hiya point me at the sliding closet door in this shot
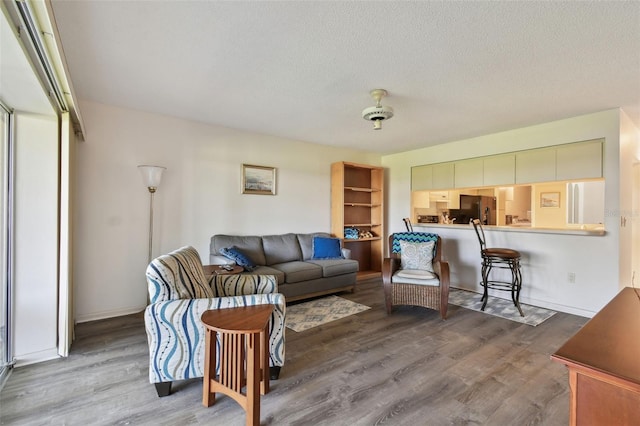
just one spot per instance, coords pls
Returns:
(65, 286)
(5, 235)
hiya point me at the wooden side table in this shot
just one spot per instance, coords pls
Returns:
(244, 335)
(218, 270)
(602, 358)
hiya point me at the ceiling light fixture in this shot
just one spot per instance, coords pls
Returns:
(379, 112)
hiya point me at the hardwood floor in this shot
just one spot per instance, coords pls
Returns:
(409, 368)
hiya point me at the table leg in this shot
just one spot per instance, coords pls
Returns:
(208, 397)
(253, 379)
(264, 360)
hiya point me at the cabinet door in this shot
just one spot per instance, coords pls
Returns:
(469, 173)
(420, 199)
(421, 178)
(454, 199)
(443, 176)
(536, 165)
(500, 170)
(579, 161)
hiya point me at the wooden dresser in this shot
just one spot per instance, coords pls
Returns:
(604, 365)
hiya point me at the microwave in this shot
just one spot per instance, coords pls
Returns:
(427, 219)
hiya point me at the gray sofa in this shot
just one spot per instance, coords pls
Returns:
(290, 258)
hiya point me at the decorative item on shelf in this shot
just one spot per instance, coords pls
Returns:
(362, 233)
(351, 233)
(151, 176)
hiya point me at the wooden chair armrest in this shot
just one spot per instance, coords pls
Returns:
(441, 269)
(389, 266)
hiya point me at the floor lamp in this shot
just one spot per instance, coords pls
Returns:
(151, 176)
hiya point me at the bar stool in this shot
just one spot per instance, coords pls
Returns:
(501, 258)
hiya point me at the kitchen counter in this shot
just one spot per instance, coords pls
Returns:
(524, 227)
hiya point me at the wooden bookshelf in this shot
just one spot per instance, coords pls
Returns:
(357, 201)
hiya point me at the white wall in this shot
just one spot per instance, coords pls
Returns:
(36, 238)
(199, 196)
(600, 267)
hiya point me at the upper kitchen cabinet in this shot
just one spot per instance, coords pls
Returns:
(421, 178)
(432, 176)
(499, 170)
(573, 161)
(536, 165)
(443, 176)
(469, 173)
(579, 161)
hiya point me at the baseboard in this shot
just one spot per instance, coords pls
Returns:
(108, 314)
(36, 357)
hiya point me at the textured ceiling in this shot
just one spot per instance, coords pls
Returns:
(303, 70)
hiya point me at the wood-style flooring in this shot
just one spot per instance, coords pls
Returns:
(408, 368)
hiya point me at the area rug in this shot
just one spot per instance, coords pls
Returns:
(306, 315)
(503, 308)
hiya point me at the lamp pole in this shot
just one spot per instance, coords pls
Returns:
(152, 191)
(151, 175)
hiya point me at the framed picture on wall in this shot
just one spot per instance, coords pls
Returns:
(259, 180)
(550, 199)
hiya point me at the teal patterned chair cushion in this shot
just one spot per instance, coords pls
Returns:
(414, 237)
(416, 251)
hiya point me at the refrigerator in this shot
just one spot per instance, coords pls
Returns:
(475, 207)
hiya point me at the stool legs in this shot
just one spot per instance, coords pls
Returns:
(513, 264)
(516, 277)
(486, 267)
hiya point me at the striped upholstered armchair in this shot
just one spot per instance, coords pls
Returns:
(179, 294)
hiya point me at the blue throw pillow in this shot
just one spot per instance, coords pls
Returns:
(326, 248)
(239, 257)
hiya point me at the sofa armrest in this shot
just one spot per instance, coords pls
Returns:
(242, 284)
(176, 335)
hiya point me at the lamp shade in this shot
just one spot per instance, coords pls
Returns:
(151, 175)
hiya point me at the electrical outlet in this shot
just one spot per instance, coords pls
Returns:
(572, 277)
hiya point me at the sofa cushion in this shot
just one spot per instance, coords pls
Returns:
(250, 245)
(299, 271)
(326, 248)
(306, 243)
(334, 267)
(268, 270)
(281, 248)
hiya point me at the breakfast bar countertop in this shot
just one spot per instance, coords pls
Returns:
(518, 228)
